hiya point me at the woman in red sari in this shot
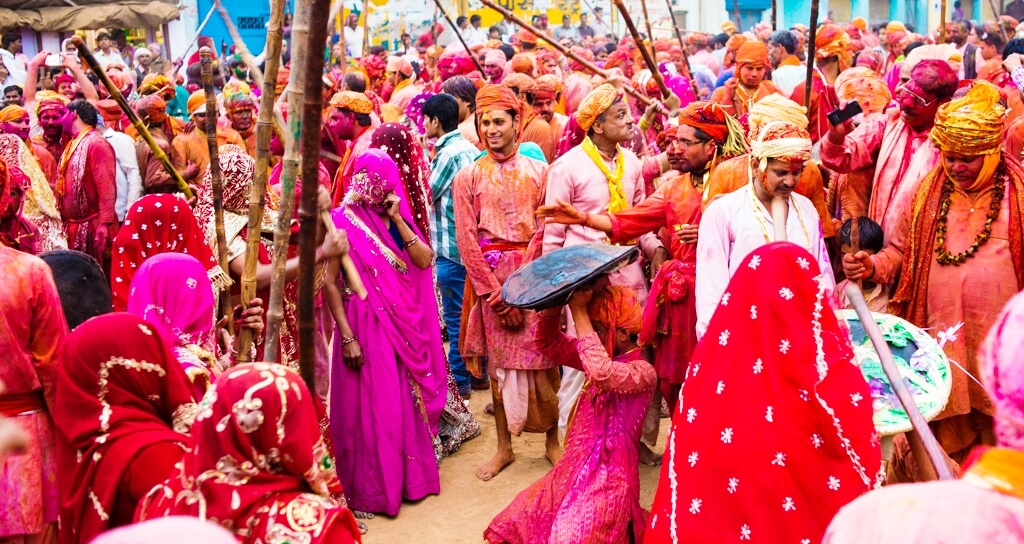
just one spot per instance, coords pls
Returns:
(773, 432)
(123, 404)
(258, 466)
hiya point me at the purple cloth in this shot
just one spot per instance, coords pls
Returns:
(677, 84)
(172, 292)
(414, 111)
(385, 414)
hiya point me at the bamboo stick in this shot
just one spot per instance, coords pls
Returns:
(999, 21)
(366, 26)
(216, 184)
(115, 93)
(257, 197)
(312, 69)
(647, 23)
(935, 453)
(289, 171)
(589, 66)
(736, 13)
(648, 59)
(682, 47)
(775, 15)
(810, 57)
(780, 207)
(942, 21)
(458, 35)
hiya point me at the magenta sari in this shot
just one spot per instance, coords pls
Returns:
(385, 414)
(172, 292)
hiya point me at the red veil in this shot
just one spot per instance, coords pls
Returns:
(773, 432)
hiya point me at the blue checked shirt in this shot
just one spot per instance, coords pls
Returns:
(453, 153)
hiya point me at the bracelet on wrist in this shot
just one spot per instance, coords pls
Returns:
(348, 340)
(412, 241)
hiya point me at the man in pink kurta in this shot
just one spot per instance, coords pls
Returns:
(588, 177)
(897, 144)
(31, 328)
(494, 201)
(87, 190)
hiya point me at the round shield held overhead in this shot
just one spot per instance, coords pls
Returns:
(549, 280)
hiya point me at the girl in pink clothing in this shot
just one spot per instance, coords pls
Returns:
(593, 493)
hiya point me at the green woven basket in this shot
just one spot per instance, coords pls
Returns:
(922, 364)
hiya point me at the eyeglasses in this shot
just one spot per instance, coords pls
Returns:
(683, 144)
(903, 91)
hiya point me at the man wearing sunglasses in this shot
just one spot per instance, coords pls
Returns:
(896, 143)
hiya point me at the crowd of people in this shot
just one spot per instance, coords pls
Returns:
(443, 171)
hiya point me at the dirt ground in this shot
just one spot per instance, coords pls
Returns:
(466, 505)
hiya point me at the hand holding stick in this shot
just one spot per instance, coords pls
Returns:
(115, 93)
(931, 446)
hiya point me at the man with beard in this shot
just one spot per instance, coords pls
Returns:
(534, 129)
(86, 185)
(749, 85)
(705, 137)
(545, 98)
(349, 123)
(242, 113)
(50, 109)
(14, 120)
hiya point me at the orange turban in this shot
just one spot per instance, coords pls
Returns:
(196, 102)
(753, 53)
(525, 36)
(832, 41)
(594, 104)
(548, 87)
(735, 41)
(522, 82)
(156, 84)
(109, 110)
(860, 23)
(49, 100)
(712, 120)
(352, 101)
(865, 86)
(152, 109)
(13, 112)
(496, 97)
(615, 307)
(522, 64)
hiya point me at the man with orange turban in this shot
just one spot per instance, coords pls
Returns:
(190, 153)
(494, 201)
(241, 112)
(50, 110)
(547, 99)
(596, 177)
(963, 258)
(706, 136)
(152, 111)
(15, 120)
(534, 126)
(351, 128)
(749, 85)
(832, 55)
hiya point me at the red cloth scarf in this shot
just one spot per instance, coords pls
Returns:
(258, 465)
(773, 432)
(156, 224)
(398, 142)
(119, 391)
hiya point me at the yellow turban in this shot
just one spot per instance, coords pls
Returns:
(776, 107)
(353, 101)
(895, 26)
(196, 102)
(46, 100)
(596, 103)
(155, 83)
(235, 87)
(13, 112)
(783, 141)
(860, 23)
(973, 124)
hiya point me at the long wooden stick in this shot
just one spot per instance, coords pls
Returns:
(216, 183)
(736, 13)
(458, 35)
(810, 57)
(995, 13)
(257, 197)
(647, 22)
(648, 59)
(313, 69)
(289, 171)
(589, 66)
(366, 27)
(115, 93)
(942, 21)
(775, 15)
(935, 453)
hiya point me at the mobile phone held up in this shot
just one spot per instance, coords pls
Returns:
(842, 115)
(54, 61)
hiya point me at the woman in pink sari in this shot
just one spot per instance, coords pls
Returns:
(388, 381)
(413, 168)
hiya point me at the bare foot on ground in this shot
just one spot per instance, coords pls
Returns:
(552, 451)
(500, 460)
(648, 457)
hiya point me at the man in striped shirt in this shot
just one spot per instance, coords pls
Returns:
(453, 153)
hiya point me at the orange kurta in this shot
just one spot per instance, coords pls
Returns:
(737, 106)
(732, 175)
(193, 148)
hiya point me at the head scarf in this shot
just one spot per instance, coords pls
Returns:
(778, 419)
(946, 52)
(6, 179)
(872, 59)
(156, 224)
(549, 86)
(156, 84)
(493, 97)
(61, 79)
(866, 87)
(238, 101)
(775, 107)
(1002, 372)
(352, 101)
(39, 205)
(596, 103)
(752, 53)
(13, 112)
(973, 124)
(781, 141)
(120, 391)
(257, 453)
(712, 120)
(196, 102)
(111, 113)
(644, 82)
(49, 100)
(399, 65)
(525, 36)
(615, 307)
(413, 168)
(522, 64)
(414, 111)
(152, 110)
(237, 170)
(522, 83)
(698, 39)
(833, 41)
